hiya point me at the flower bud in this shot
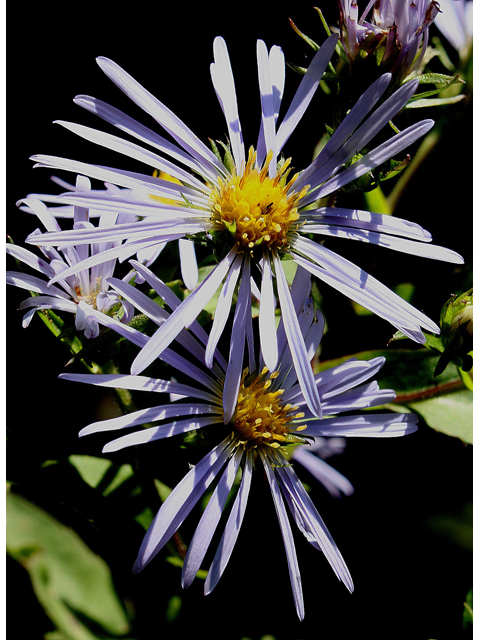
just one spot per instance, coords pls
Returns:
(456, 323)
(394, 36)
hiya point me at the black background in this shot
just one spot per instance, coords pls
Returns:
(411, 576)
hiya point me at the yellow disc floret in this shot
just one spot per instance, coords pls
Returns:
(256, 209)
(261, 418)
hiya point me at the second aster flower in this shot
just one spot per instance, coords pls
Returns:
(255, 423)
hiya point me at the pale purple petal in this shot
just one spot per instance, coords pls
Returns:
(181, 501)
(293, 568)
(209, 521)
(32, 283)
(375, 425)
(165, 118)
(128, 125)
(332, 480)
(232, 528)
(223, 309)
(361, 287)
(359, 398)
(139, 383)
(267, 104)
(237, 344)
(390, 242)
(295, 341)
(267, 324)
(308, 519)
(128, 179)
(301, 288)
(30, 259)
(132, 150)
(188, 263)
(326, 161)
(158, 433)
(372, 159)
(366, 220)
(305, 91)
(151, 414)
(174, 302)
(183, 316)
(224, 84)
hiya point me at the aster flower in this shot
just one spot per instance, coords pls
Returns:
(77, 292)
(396, 33)
(247, 207)
(266, 415)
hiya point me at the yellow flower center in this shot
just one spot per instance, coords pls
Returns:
(257, 209)
(261, 419)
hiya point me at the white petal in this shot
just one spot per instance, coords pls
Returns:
(223, 309)
(209, 521)
(188, 263)
(375, 425)
(158, 433)
(267, 102)
(293, 569)
(403, 245)
(267, 325)
(138, 383)
(183, 316)
(232, 528)
(295, 341)
(168, 120)
(224, 84)
(128, 125)
(181, 501)
(305, 91)
(237, 345)
(151, 414)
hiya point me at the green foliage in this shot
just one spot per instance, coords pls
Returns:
(451, 413)
(440, 399)
(72, 583)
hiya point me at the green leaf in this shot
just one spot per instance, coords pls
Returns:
(443, 85)
(309, 41)
(72, 583)
(408, 371)
(451, 414)
(376, 201)
(101, 473)
(437, 79)
(433, 102)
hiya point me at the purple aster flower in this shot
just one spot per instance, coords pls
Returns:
(248, 207)
(258, 414)
(396, 29)
(82, 289)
